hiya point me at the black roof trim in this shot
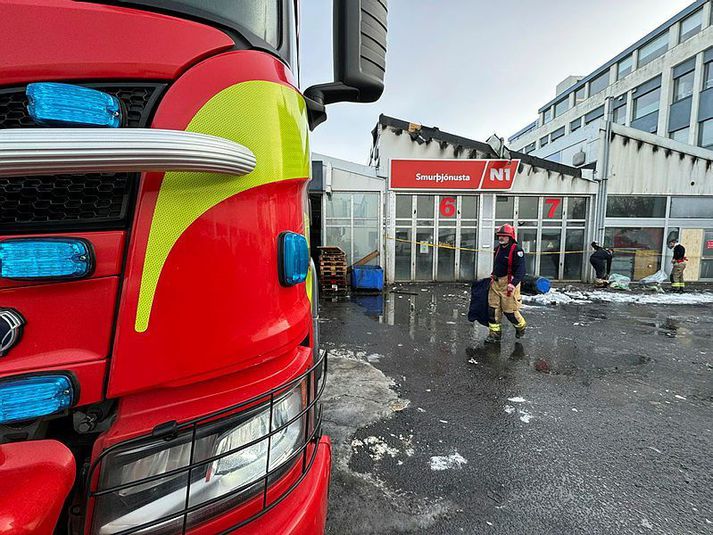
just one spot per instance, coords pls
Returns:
(435, 134)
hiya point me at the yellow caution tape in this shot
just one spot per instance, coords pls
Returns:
(650, 252)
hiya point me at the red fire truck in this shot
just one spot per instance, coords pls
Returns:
(159, 361)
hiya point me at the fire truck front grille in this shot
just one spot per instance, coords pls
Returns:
(72, 202)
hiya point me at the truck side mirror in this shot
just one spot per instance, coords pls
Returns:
(359, 57)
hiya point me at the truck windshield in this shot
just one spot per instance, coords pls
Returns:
(262, 18)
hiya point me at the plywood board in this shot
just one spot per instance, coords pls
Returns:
(692, 240)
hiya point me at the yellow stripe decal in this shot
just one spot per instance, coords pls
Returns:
(269, 119)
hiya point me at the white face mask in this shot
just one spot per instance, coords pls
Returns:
(503, 240)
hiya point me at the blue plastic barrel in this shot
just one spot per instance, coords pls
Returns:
(535, 285)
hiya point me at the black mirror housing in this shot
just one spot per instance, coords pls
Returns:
(360, 29)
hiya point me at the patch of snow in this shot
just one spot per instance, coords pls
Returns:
(376, 447)
(574, 410)
(646, 524)
(509, 409)
(679, 397)
(518, 400)
(581, 297)
(472, 361)
(419, 409)
(525, 416)
(363, 356)
(443, 421)
(447, 462)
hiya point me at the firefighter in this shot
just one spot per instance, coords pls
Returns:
(504, 294)
(679, 266)
(601, 260)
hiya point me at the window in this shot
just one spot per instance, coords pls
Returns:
(705, 136)
(404, 207)
(653, 49)
(683, 86)
(580, 95)
(680, 135)
(577, 208)
(620, 115)
(556, 134)
(691, 25)
(707, 260)
(647, 104)
(637, 251)
(693, 207)
(561, 107)
(599, 84)
(547, 116)
(708, 76)
(575, 125)
(620, 107)
(633, 206)
(528, 208)
(544, 141)
(624, 67)
(261, 17)
(556, 157)
(530, 148)
(352, 222)
(594, 115)
(504, 207)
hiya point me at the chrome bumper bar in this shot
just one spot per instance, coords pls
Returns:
(54, 151)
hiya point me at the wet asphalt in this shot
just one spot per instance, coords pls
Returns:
(600, 420)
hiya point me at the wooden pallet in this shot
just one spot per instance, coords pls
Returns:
(333, 271)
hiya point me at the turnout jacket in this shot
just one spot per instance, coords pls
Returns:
(500, 263)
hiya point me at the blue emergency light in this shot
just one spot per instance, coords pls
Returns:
(293, 258)
(55, 104)
(27, 398)
(45, 258)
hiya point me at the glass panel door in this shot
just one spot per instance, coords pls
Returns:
(550, 261)
(403, 248)
(468, 237)
(574, 245)
(424, 254)
(447, 214)
(446, 254)
(528, 242)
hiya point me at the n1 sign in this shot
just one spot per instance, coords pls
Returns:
(453, 174)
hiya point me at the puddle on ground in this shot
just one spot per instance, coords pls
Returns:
(500, 359)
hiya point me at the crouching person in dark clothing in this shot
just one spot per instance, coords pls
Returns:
(601, 260)
(504, 294)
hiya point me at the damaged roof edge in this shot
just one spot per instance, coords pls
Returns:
(435, 134)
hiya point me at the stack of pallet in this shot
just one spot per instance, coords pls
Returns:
(333, 272)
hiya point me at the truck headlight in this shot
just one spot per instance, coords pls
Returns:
(223, 472)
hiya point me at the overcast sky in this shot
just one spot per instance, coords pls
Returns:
(473, 67)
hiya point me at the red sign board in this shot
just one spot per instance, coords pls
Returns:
(709, 244)
(453, 174)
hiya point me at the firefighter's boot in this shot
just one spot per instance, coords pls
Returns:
(495, 334)
(520, 329)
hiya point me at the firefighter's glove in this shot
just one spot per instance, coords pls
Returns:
(511, 289)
